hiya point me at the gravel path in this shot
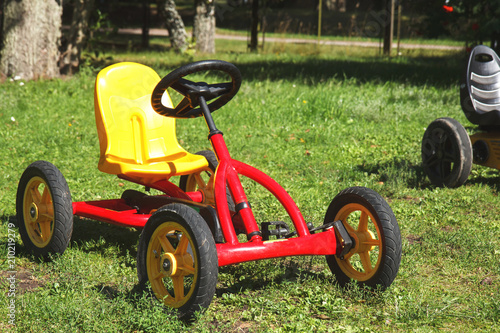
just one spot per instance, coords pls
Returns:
(163, 32)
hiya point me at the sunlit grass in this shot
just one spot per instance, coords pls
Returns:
(317, 122)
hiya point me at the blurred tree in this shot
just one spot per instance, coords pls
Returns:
(254, 25)
(475, 21)
(204, 26)
(479, 19)
(389, 26)
(77, 36)
(146, 22)
(1, 24)
(174, 24)
(31, 37)
(336, 5)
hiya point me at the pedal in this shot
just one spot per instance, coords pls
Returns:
(275, 228)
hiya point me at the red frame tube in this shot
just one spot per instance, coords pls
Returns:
(111, 211)
(324, 243)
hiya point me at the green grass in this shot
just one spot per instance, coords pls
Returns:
(317, 121)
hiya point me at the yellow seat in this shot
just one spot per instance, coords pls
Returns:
(134, 140)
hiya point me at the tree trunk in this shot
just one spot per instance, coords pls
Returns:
(77, 37)
(174, 24)
(1, 25)
(254, 26)
(146, 22)
(31, 37)
(204, 26)
(389, 27)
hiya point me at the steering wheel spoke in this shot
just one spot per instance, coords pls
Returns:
(216, 95)
(184, 106)
(219, 89)
(183, 86)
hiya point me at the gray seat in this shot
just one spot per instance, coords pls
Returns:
(480, 89)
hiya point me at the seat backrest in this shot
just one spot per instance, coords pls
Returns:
(130, 131)
(480, 89)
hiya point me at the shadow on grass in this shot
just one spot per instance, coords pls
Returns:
(92, 236)
(492, 182)
(398, 172)
(401, 172)
(286, 271)
(95, 236)
(419, 71)
(434, 71)
(289, 271)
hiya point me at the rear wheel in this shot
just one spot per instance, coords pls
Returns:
(376, 253)
(44, 210)
(177, 259)
(446, 153)
(199, 180)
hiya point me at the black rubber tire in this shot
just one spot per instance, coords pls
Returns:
(43, 201)
(201, 247)
(383, 231)
(446, 153)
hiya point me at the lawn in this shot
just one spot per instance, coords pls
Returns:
(316, 119)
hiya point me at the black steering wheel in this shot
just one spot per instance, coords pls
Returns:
(192, 91)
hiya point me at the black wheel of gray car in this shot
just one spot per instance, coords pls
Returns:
(446, 153)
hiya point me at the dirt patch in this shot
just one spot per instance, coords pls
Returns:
(414, 239)
(242, 326)
(487, 281)
(412, 199)
(448, 228)
(24, 280)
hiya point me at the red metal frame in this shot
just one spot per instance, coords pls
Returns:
(232, 251)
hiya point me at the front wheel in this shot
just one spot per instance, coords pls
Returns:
(177, 259)
(374, 259)
(44, 210)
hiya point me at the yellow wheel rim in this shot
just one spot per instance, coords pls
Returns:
(171, 264)
(202, 181)
(363, 260)
(38, 210)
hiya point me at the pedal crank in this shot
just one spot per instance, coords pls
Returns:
(276, 228)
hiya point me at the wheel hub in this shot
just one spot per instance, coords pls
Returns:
(33, 212)
(439, 154)
(364, 238)
(166, 265)
(169, 264)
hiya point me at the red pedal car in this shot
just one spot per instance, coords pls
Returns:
(192, 228)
